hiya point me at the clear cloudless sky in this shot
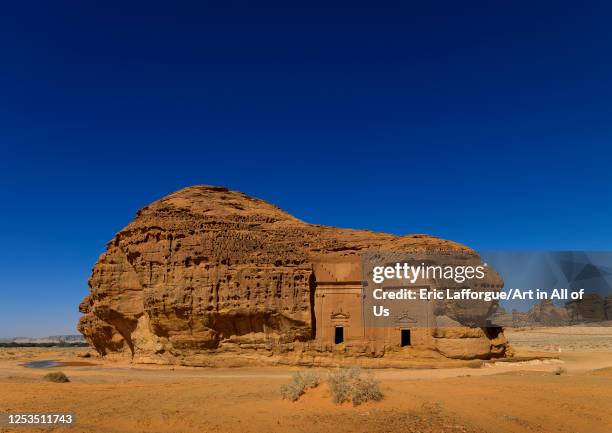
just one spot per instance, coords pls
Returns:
(488, 123)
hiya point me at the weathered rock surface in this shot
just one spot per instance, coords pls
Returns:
(206, 270)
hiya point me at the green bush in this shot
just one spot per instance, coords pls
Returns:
(56, 376)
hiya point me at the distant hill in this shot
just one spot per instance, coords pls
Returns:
(52, 340)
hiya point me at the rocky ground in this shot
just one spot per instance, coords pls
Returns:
(524, 396)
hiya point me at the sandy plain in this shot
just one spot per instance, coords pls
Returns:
(524, 396)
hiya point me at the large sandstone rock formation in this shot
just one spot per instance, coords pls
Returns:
(207, 270)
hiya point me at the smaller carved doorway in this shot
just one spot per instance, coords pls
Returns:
(405, 337)
(339, 335)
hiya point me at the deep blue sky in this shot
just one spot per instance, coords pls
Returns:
(486, 123)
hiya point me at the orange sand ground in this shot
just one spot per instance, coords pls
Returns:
(497, 397)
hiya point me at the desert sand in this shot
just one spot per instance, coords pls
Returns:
(524, 396)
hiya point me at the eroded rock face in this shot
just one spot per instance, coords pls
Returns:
(206, 270)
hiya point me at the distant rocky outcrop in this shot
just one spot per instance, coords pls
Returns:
(592, 308)
(514, 319)
(77, 338)
(547, 314)
(50, 340)
(207, 270)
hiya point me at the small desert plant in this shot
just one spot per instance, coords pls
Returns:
(300, 382)
(292, 391)
(56, 376)
(311, 379)
(339, 385)
(352, 385)
(366, 389)
(559, 371)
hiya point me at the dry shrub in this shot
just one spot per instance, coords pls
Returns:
(559, 371)
(352, 385)
(57, 377)
(339, 385)
(300, 382)
(311, 379)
